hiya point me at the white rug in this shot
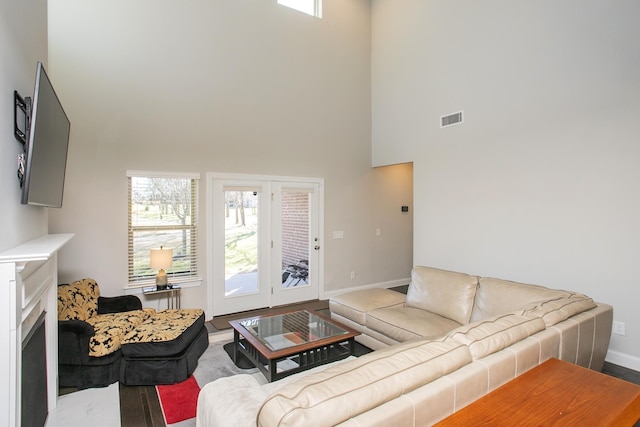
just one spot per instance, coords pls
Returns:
(95, 407)
(100, 407)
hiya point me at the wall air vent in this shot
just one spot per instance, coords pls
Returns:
(451, 119)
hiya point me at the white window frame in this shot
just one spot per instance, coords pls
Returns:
(310, 7)
(191, 279)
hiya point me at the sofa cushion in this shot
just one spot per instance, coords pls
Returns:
(166, 333)
(78, 300)
(446, 293)
(356, 304)
(405, 323)
(343, 391)
(491, 335)
(556, 310)
(111, 328)
(497, 296)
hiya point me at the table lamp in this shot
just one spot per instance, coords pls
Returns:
(161, 259)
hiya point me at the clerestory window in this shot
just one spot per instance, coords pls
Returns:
(310, 7)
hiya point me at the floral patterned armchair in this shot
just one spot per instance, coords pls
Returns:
(90, 333)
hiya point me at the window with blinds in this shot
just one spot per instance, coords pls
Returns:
(162, 212)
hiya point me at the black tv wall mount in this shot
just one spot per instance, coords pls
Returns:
(22, 105)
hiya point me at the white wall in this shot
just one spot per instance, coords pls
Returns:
(23, 42)
(540, 184)
(240, 86)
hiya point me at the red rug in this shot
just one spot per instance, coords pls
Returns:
(179, 400)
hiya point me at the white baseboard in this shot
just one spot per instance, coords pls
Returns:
(623, 359)
(389, 284)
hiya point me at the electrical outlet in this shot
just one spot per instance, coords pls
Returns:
(619, 328)
(353, 274)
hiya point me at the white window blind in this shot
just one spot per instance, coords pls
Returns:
(162, 212)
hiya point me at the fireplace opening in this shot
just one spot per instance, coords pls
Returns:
(34, 406)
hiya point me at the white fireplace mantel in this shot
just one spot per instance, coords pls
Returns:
(28, 287)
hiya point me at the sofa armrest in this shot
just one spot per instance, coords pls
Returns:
(230, 401)
(73, 341)
(118, 304)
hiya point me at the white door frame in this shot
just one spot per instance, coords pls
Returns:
(215, 259)
(280, 294)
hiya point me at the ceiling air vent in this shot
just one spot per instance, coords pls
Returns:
(451, 119)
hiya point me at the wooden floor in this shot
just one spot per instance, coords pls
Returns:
(140, 407)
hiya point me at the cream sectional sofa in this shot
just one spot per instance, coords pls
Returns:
(451, 340)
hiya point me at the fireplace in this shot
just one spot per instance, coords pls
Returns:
(28, 323)
(34, 376)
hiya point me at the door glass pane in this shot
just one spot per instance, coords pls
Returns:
(241, 243)
(295, 238)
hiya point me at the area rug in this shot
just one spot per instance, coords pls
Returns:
(179, 401)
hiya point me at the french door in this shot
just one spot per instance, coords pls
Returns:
(264, 241)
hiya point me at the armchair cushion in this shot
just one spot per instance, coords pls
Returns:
(111, 328)
(78, 300)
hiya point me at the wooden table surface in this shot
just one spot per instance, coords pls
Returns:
(555, 393)
(287, 351)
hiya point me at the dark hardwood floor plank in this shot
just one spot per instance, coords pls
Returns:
(621, 373)
(154, 408)
(139, 407)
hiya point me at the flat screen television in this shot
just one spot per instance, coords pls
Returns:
(46, 147)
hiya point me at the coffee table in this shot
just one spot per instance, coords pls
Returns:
(555, 393)
(284, 344)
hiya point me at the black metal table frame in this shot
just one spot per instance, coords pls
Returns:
(307, 358)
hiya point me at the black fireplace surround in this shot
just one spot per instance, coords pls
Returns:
(34, 376)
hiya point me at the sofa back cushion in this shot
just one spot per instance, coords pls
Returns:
(343, 391)
(491, 335)
(497, 296)
(78, 300)
(558, 309)
(446, 293)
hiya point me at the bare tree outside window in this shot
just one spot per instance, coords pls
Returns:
(162, 212)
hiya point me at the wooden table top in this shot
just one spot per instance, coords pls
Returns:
(555, 393)
(275, 354)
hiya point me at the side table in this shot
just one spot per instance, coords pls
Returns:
(554, 393)
(172, 293)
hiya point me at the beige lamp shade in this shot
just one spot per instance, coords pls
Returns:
(161, 259)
